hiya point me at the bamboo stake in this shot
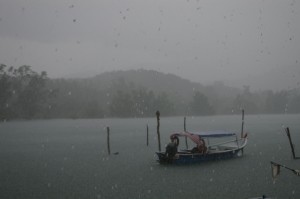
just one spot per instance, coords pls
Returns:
(108, 145)
(147, 135)
(184, 128)
(158, 133)
(242, 130)
(287, 130)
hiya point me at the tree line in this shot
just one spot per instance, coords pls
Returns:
(26, 94)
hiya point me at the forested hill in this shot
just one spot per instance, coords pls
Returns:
(133, 93)
(143, 90)
(150, 80)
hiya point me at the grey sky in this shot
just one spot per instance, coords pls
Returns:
(234, 41)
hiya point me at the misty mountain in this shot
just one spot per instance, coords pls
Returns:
(136, 87)
(132, 93)
(180, 92)
(151, 80)
(276, 79)
(173, 85)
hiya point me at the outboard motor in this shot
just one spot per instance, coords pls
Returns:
(171, 150)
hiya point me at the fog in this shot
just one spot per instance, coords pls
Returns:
(238, 42)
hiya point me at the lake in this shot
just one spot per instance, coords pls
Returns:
(68, 159)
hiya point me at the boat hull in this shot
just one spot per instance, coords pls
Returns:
(191, 158)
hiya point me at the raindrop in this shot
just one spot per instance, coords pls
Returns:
(279, 147)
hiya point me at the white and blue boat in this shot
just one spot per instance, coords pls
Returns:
(213, 145)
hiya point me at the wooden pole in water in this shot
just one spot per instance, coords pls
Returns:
(158, 133)
(147, 135)
(108, 145)
(184, 124)
(184, 128)
(287, 130)
(242, 130)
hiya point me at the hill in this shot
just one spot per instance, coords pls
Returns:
(133, 93)
(180, 92)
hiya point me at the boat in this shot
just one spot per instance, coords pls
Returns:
(212, 145)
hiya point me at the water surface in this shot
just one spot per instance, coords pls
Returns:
(68, 159)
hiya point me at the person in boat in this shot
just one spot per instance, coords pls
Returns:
(171, 148)
(200, 148)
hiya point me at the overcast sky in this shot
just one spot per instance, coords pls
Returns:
(201, 40)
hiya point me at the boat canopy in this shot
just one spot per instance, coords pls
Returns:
(214, 134)
(197, 136)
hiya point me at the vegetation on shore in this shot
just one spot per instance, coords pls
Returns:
(26, 94)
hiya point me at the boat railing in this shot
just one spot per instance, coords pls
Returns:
(226, 142)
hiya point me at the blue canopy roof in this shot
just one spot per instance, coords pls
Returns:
(197, 136)
(214, 134)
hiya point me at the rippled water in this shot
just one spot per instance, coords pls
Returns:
(68, 159)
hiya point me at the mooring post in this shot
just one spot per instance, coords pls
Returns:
(158, 133)
(184, 128)
(287, 130)
(242, 130)
(108, 145)
(147, 135)
(184, 124)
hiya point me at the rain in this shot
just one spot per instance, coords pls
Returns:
(81, 83)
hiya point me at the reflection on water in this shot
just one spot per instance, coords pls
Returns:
(68, 159)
